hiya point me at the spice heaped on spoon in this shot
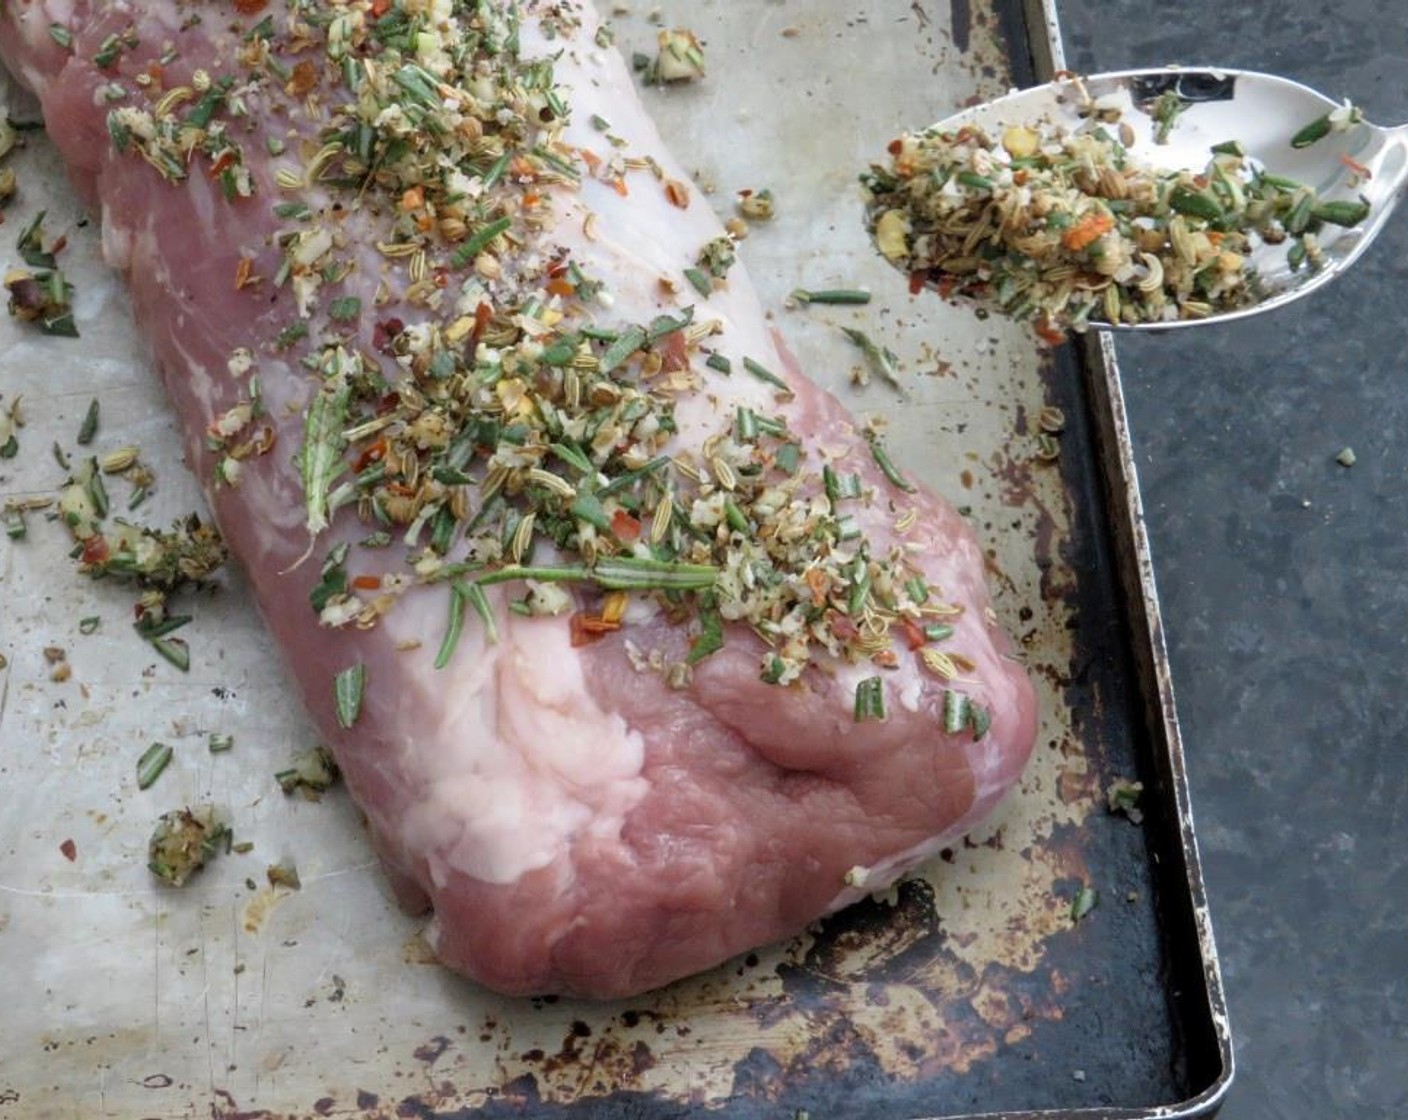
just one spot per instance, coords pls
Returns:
(1140, 200)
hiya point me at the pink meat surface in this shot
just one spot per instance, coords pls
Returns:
(580, 818)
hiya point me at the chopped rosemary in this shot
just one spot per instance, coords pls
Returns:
(479, 242)
(219, 742)
(348, 688)
(154, 760)
(454, 627)
(174, 650)
(839, 296)
(762, 373)
(887, 467)
(1086, 900)
(710, 638)
(89, 428)
(870, 699)
(700, 282)
(882, 360)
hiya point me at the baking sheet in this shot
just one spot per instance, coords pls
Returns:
(967, 990)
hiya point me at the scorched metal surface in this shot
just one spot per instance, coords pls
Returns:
(969, 989)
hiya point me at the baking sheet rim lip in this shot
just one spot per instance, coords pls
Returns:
(1101, 360)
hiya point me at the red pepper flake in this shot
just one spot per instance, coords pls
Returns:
(674, 352)
(587, 628)
(1355, 166)
(1087, 231)
(886, 659)
(250, 7)
(842, 626)
(59, 245)
(96, 551)
(560, 287)
(619, 184)
(913, 634)
(221, 162)
(380, 7)
(385, 332)
(1049, 333)
(591, 159)
(819, 583)
(677, 193)
(483, 314)
(69, 850)
(895, 147)
(625, 527)
(367, 583)
(916, 282)
(305, 77)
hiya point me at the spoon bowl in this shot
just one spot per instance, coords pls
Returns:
(1353, 161)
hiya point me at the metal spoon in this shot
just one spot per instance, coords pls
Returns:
(1263, 112)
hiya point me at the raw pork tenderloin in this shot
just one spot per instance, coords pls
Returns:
(417, 275)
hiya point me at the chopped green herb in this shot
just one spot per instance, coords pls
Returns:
(870, 699)
(887, 467)
(453, 628)
(1086, 900)
(956, 712)
(762, 373)
(153, 761)
(345, 310)
(840, 296)
(479, 242)
(348, 688)
(710, 638)
(622, 349)
(219, 742)
(1317, 129)
(174, 650)
(89, 427)
(701, 283)
(882, 360)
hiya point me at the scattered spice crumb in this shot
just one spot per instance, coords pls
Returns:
(283, 874)
(757, 205)
(1347, 457)
(1123, 797)
(310, 773)
(69, 850)
(183, 842)
(1086, 900)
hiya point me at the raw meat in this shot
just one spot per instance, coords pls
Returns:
(585, 810)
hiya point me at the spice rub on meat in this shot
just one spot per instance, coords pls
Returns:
(634, 651)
